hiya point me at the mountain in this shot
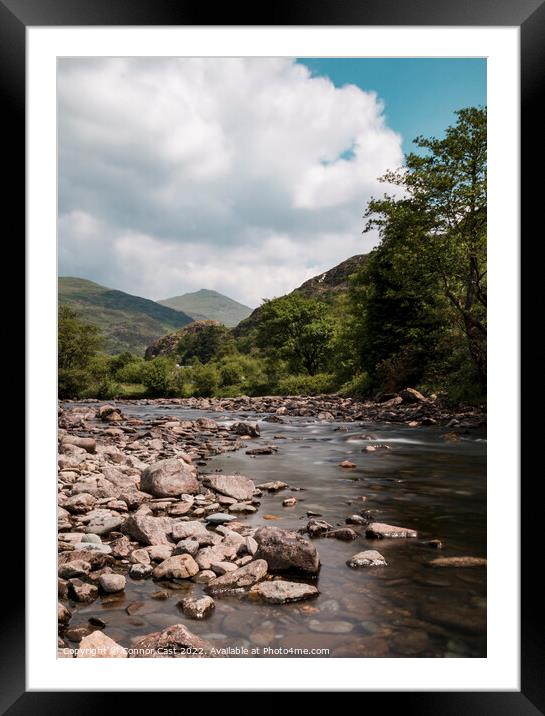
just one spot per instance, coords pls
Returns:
(128, 323)
(326, 286)
(209, 305)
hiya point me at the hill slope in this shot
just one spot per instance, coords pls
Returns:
(210, 305)
(128, 323)
(324, 286)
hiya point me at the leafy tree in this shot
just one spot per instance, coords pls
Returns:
(157, 375)
(298, 329)
(206, 380)
(440, 223)
(204, 342)
(78, 343)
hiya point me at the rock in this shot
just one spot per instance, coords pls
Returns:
(242, 508)
(95, 559)
(194, 530)
(63, 614)
(289, 501)
(219, 518)
(347, 464)
(206, 424)
(121, 547)
(179, 509)
(82, 592)
(237, 486)
(204, 577)
(368, 558)
(94, 547)
(99, 646)
(330, 627)
(174, 641)
(77, 568)
(140, 571)
(281, 592)
(212, 555)
(160, 552)
(186, 546)
(344, 533)
(169, 478)
(220, 568)
(180, 566)
(238, 580)
(379, 530)
(274, 486)
(140, 556)
(111, 583)
(317, 528)
(265, 450)
(148, 530)
(286, 551)
(251, 545)
(80, 503)
(91, 538)
(197, 608)
(103, 522)
(410, 395)
(355, 520)
(88, 444)
(251, 429)
(458, 562)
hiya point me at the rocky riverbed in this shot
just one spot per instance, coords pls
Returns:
(194, 528)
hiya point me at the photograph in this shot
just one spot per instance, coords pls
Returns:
(272, 357)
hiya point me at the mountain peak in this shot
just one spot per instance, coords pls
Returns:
(209, 304)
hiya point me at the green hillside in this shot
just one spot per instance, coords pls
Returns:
(209, 305)
(128, 323)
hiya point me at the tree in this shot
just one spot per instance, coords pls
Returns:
(204, 341)
(443, 202)
(298, 329)
(78, 344)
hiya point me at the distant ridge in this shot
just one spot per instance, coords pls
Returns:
(206, 304)
(128, 323)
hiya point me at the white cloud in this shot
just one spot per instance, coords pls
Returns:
(179, 174)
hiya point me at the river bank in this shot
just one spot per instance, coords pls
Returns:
(203, 527)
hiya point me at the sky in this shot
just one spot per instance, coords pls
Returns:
(243, 175)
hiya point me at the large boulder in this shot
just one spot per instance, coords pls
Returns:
(173, 642)
(236, 486)
(286, 551)
(169, 478)
(239, 580)
(147, 529)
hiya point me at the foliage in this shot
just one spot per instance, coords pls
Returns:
(211, 340)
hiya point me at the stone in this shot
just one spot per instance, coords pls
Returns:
(95, 558)
(80, 503)
(194, 530)
(169, 478)
(88, 444)
(63, 614)
(282, 592)
(238, 580)
(206, 424)
(410, 395)
(330, 627)
(286, 551)
(174, 641)
(458, 562)
(82, 592)
(140, 571)
(317, 528)
(289, 501)
(251, 545)
(148, 530)
(204, 577)
(140, 556)
(100, 646)
(218, 553)
(355, 520)
(379, 530)
(347, 464)
(237, 486)
(251, 429)
(91, 538)
(179, 509)
(103, 522)
(368, 558)
(180, 566)
(220, 568)
(242, 508)
(197, 608)
(219, 518)
(121, 547)
(160, 552)
(186, 546)
(346, 534)
(273, 486)
(111, 583)
(76, 568)
(265, 450)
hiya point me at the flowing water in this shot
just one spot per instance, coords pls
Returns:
(426, 481)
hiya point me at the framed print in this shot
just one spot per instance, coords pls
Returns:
(273, 319)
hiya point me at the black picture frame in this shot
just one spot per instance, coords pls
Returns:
(529, 15)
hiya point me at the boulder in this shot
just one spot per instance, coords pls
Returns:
(237, 486)
(281, 592)
(379, 530)
(410, 395)
(251, 429)
(175, 641)
(147, 529)
(88, 444)
(180, 566)
(103, 522)
(286, 551)
(111, 583)
(99, 646)
(80, 503)
(169, 478)
(238, 580)
(367, 558)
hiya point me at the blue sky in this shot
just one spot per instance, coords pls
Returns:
(420, 94)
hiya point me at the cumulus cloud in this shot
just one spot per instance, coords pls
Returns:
(247, 175)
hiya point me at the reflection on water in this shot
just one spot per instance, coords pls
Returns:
(405, 609)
